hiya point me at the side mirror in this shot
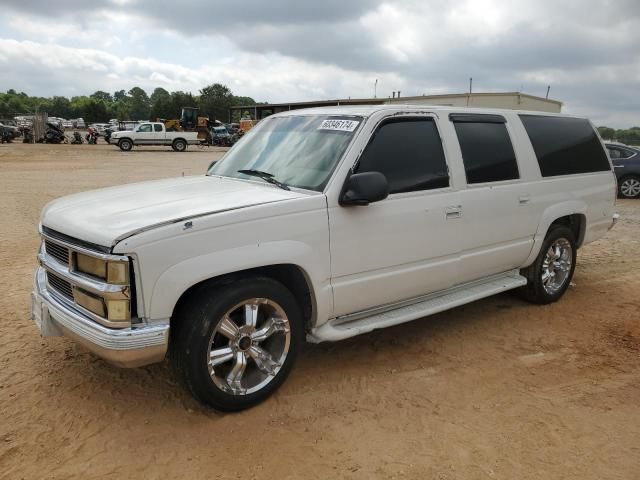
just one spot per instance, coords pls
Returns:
(364, 188)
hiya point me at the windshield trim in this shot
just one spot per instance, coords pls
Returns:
(355, 134)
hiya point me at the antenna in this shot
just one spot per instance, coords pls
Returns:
(375, 89)
(548, 88)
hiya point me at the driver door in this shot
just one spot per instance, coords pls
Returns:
(406, 245)
(144, 134)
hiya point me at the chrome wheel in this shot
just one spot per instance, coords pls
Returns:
(556, 266)
(630, 187)
(249, 346)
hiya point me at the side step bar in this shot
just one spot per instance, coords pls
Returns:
(364, 322)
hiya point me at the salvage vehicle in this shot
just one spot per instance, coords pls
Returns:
(8, 129)
(321, 224)
(626, 163)
(153, 133)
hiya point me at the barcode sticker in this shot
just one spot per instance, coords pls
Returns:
(339, 125)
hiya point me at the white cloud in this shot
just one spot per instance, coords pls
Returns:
(288, 51)
(36, 67)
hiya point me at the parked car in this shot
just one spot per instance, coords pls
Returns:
(9, 130)
(626, 163)
(153, 133)
(321, 224)
(220, 136)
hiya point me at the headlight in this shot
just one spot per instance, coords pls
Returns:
(116, 273)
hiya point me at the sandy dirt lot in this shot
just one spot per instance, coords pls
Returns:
(498, 389)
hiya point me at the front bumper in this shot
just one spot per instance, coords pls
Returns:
(127, 347)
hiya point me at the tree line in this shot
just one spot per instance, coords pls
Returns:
(213, 101)
(630, 136)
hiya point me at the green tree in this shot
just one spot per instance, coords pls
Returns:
(161, 104)
(119, 95)
(215, 101)
(181, 99)
(139, 105)
(101, 95)
(607, 133)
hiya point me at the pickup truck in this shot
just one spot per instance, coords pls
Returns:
(321, 224)
(153, 133)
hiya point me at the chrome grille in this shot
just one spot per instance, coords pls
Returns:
(60, 253)
(60, 285)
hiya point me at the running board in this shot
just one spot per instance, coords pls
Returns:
(364, 322)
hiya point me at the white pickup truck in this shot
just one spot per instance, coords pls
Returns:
(153, 133)
(321, 224)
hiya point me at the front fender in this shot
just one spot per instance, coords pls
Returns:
(177, 279)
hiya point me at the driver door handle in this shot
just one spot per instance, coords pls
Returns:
(454, 211)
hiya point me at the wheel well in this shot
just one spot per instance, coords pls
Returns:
(291, 276)
(179, 139)
(576, 223)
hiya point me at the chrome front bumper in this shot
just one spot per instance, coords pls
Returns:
(127, 347)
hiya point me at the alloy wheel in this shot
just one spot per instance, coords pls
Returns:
(556, 266)
(249, 346)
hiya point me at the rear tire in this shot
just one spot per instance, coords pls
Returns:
(550, 274)
(232, 345)
(629, 187)
(125, 144)
(179, 145)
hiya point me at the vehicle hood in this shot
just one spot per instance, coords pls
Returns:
(106, 216)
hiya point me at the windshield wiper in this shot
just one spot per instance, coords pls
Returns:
(266, 176)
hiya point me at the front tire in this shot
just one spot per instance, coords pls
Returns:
(125, 144)
(233, 345)
(629, 187)
(550, 274)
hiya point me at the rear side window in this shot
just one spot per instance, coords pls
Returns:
(487, 152)
(409, 153)
(565, 146)
(157, 127)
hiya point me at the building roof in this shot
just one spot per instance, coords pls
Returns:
(379, 101)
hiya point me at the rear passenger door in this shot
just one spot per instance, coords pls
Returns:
(406, 245)
(159, 134)
(499, 220)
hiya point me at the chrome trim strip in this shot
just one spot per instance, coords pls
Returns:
(352, 317)
(83, 250)
(130, 347)
(106, 290)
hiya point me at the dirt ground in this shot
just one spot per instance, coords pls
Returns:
(498, 389)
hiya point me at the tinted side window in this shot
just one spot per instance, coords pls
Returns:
(409, 153)
(487, 152)
(565, 145)
(157, 127)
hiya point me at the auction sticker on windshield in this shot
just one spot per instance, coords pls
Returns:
(339, 125)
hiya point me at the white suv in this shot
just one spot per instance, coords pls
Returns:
(321, 224)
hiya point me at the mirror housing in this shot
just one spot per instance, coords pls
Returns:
(364, 188)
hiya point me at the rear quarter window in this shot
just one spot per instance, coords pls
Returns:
(565, 146)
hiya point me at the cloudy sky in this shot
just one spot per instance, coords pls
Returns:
(279, 50)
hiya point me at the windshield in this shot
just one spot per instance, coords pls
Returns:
(299, 151)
